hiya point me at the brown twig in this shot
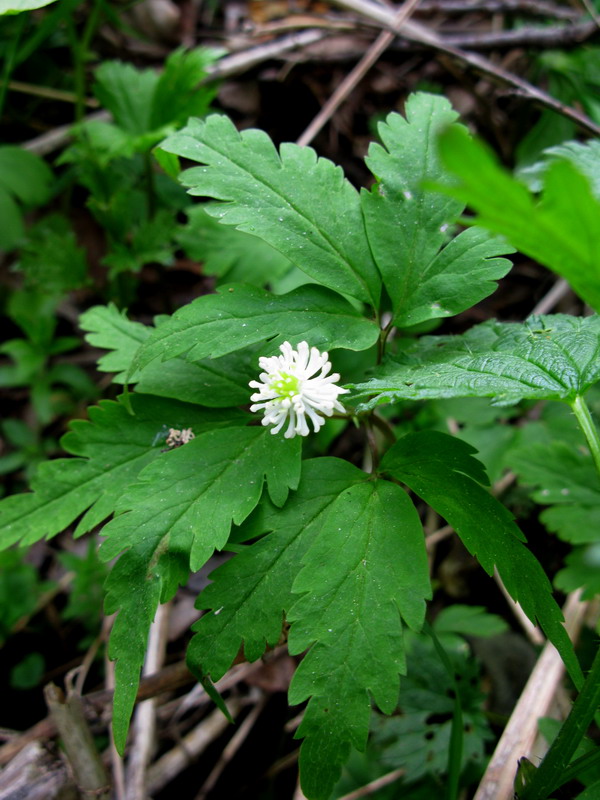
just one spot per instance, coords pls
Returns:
(375, 785)
(229, 751)
(84, 759)
(191, 746)
(417, 32)
(537, 8)
(372, 55)
(519, 735)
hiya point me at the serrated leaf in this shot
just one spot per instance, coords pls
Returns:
(582, 571)
(418, 738)
(425, 275)
(152, 241)
(366, 570)
(230, 253)
(175, 516)
(299, 204)
(194, 493)
(112, 448)
(216, 383)
(251, 591)
(560, 473)
(178, 94)
(564, 478)
(560, 231)
(555, 357)
(238, 316)
(441, 470)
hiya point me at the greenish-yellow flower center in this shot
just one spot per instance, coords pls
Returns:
(286, 385)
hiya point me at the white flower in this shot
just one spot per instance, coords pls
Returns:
(291, 389)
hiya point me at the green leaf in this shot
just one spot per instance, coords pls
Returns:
(175, 516)
(13, 229)
(194, 493)
(229, 253)
(553, 357)
(51, 258)
(585, 157)
(582, 570)
(178, 94)
(152, 242)
(300, 204)
(237, 316)
(366, 570)
(564, 478)
(25, 175)
(112, 448)
(468, 621)
(251, 591)
(418, 738)
(441, 470)
(127, 93)
(17, 6)
(560, 231)
(426, 276)
(217, 383)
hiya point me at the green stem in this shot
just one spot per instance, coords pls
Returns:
(586, 423)
(550, 773)
(150, 185)
(10, 58)
(79, 50)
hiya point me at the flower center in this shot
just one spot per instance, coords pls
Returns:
(286, 385)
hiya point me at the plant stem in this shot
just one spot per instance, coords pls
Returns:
(550, 773)
(10, 58)
(79, 49)
(586, 423)
(150, 185)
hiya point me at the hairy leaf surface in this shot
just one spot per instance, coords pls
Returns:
(408, 224)
(175, 516)
(300, 204)
(547, 357)
(366, 570)
(251, 592)
(112, 448)
(238, 316)
(217, 383)
(441, 470)
(560, 231)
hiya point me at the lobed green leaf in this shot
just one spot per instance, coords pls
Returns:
(441, 470)
(365, 572)
(175, 516)
(216, 383)
(251, 592)
(408, 224)
(299, 204)
(560, 231)
(111, 450)
(237, 316)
